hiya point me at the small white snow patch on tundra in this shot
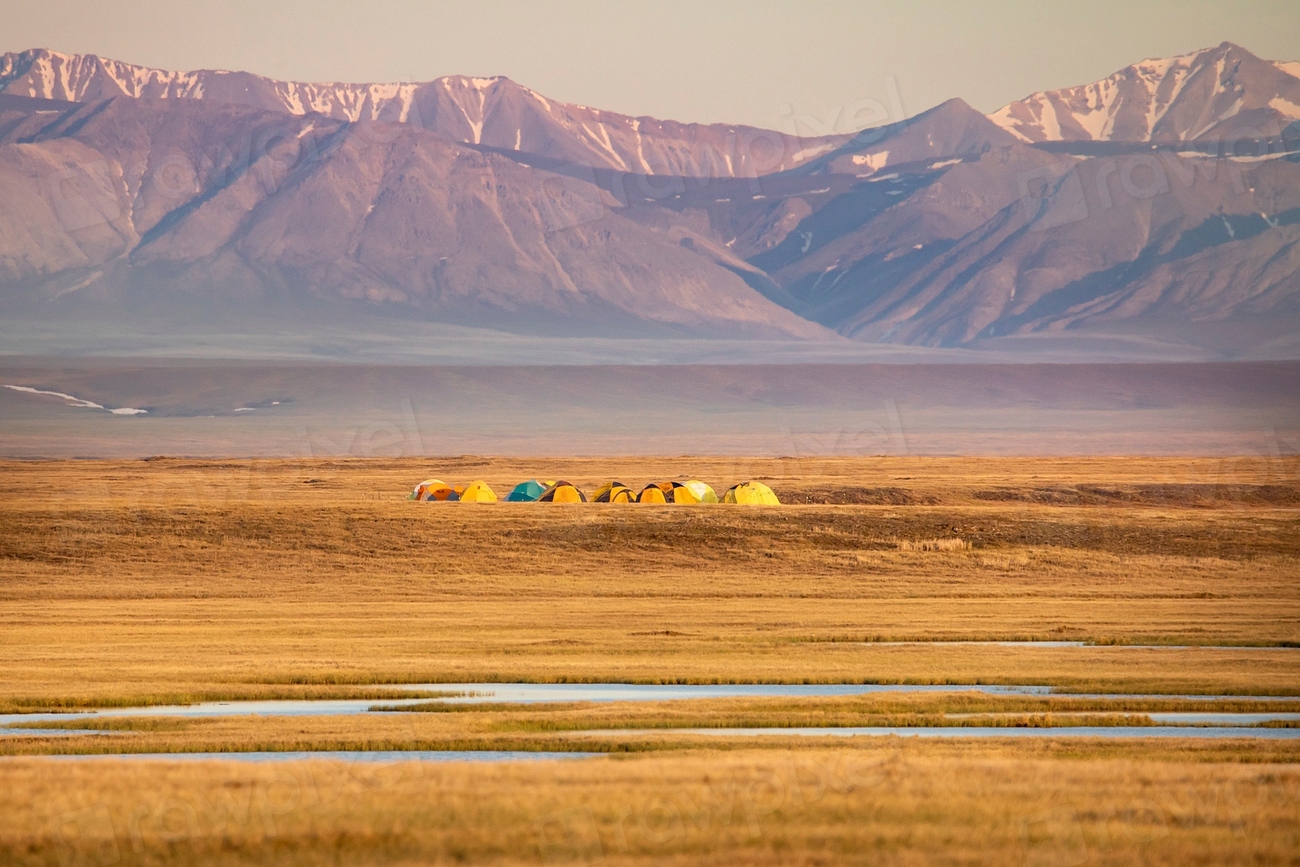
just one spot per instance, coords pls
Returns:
(77, 401)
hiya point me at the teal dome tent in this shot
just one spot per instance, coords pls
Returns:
(526, 492)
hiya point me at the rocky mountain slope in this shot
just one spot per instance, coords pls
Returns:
(1215, 93)
(171, 202)
(1128, 225)
(495, 112)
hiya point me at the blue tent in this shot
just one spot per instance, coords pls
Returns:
(527, 492)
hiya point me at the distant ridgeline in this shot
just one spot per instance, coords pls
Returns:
(1159, 206)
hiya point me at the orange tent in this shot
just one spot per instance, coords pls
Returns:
(652, 494)
(434, 489)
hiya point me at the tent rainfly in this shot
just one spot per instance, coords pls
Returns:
(477, 491)
(562, 492)
(434, 489)
(677, 492)
(751, 494)
(693, 491)
(652, 493)
(527, 492)
(614, 492)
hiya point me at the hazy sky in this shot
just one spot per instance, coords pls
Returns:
(751, 62)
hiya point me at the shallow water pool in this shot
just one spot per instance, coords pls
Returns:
(375, 757)
(975, 732)
(534, 693)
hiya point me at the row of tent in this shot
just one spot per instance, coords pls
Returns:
(553, 491)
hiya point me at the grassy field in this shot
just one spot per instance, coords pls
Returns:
(892, 803)
(170, 580)
(158, 580)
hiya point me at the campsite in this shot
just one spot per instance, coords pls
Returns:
(689, 492)
(318, 580)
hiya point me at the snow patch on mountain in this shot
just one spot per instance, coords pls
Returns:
(1159, 99)
(1285, 107)
(874, 161)
(492, 111)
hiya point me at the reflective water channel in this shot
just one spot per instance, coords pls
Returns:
(1167, 724)
(368, 757)
(975, 732)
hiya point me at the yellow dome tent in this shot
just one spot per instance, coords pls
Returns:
(751, 494)
(652, 494)
(477, 491)
(693, 491)
(677, 492)
(433, 489)
(562, 492)
(614, 492)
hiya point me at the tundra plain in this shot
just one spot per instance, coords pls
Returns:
(132, 582)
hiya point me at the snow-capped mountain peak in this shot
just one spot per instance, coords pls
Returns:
(1212, 93)
(490, 111)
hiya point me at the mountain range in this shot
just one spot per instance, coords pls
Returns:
(1158, 207)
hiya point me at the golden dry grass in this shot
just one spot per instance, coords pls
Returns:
(174, 580)
(892, 803)
(165, 580)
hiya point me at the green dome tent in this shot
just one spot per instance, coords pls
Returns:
(527, 492)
